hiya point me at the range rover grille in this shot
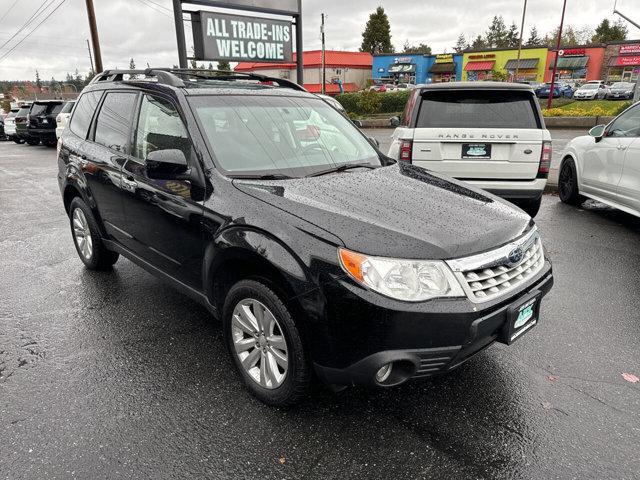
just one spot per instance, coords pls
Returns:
(490, 275)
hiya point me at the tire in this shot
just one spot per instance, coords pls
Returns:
(568, 184)
(91, 250)
(532, 207)
(33, 142)
(267, 377)
(19, 141)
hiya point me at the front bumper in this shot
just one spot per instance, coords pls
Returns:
(422, 339)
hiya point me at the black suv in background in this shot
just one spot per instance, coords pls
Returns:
(321, 256)
(41, 121)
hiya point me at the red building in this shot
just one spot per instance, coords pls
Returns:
(351, 69)
(576, 64)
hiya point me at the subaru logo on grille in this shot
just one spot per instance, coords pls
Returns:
(515, 256)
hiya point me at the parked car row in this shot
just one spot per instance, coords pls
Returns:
(40, 122)
(592, 90)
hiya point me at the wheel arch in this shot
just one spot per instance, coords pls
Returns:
(246, 253)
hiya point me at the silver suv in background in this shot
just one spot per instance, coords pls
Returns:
(489, 134)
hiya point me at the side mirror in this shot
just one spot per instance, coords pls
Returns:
(169, 164)
(374, 141)
(394, 121)
(357, 123)
(597, 132)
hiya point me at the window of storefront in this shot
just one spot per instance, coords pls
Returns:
(624, 68)
(572, 65)
(527, 69)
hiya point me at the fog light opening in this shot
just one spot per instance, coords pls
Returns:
(384, 372)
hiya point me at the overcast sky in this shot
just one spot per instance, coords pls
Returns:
(143, 30)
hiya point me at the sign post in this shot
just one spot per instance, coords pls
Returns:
(241, 38)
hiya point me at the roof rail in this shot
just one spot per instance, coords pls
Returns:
(176, 76)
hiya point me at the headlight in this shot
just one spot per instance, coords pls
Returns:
(407, 280)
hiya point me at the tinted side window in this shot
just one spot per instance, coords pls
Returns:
(160, 128)
(114, 120)
(83, 113)
(478, 109)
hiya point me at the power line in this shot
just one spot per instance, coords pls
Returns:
(154, 8)
(33, 30)
(35, 14)
(7, 12)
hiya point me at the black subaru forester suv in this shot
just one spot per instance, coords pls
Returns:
(322, 257)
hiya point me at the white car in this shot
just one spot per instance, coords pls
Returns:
(63, 117)
(604, 165)
(591, 91)
(488, 134)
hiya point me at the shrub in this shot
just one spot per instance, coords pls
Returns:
(369, 102)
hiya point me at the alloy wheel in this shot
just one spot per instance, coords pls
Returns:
(82, 234)
(566, 181)
(259, 343)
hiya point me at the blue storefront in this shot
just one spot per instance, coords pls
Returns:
(417, 68)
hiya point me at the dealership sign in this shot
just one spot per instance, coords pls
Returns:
(630, 49)
(220, 36)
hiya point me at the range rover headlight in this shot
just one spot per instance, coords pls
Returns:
(407, 280)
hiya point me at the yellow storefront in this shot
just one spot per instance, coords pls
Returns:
(478, 66)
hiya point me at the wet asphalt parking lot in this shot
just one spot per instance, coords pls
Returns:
(116, 375)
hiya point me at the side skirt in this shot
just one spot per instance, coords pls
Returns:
(196, 295)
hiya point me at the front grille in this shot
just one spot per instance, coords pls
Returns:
(490, 275)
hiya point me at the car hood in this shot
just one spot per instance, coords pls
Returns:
(397, 211)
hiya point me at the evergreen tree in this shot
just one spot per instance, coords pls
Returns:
(132, 66)
(496, 36)
(605, 32)
(534, 39)
(38, 82)
(376, 37)
(461, 44)
(513, 36)
(479, 43)
(422, 48)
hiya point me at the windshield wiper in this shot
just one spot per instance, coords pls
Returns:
(342, 168)
(267, 176)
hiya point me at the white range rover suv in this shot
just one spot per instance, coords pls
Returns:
(488, 134)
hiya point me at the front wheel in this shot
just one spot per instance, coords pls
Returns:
(265, 344)
(87, 239)
(33, 142)
(19, 141)
(568, 184)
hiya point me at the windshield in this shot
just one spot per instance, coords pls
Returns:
(589, 86)
(621, 85)
(274, 135)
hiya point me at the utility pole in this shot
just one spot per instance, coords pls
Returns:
(182, 45)
(524, 12)
(324, 69)
(94, 35)
(93, 70)
(555, 64)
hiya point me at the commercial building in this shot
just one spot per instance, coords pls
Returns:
(345, 71)
(576, 64)
(500, 64)
(622, 62)
(417, 68)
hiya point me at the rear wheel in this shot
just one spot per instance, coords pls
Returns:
(33, 142)
(86, 237)
(265, 344)
(19, 141)
(568, 184)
